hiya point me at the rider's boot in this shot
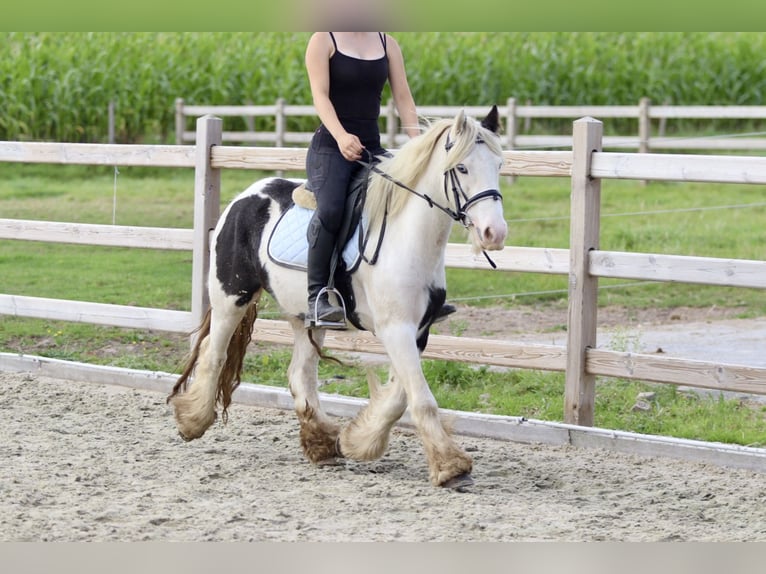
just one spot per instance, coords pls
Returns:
(321, 312)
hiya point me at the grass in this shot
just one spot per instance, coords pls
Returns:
(538, 395)
(652, 219)
(537, 211)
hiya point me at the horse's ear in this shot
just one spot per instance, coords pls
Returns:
(459, 124)
(492, 121)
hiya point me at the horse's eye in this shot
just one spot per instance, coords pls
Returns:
(461, 168)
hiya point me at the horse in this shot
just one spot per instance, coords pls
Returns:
(448, 173)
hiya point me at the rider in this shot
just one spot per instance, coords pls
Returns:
(347, 72)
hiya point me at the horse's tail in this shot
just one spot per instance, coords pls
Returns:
(191, 360)
(231, 372)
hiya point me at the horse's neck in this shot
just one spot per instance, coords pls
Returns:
(423, 229)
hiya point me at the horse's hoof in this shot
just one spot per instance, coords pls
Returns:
(335, 460)
(459, 483)
(186, 438)
(338, 451)
(329, 462)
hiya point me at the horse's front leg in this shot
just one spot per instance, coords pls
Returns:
(319, 433)
(366, 436)
(449, 465)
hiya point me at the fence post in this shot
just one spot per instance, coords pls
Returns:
(391, 124)
(279, 120)
(583, 288)
(644, 125)
(663, 122)
(180, 121)
(528, 119)
(644, 128)
(249, 120)
(111, 127)
(510, 129)
(280, 125)
(510, 119)
(207, 201)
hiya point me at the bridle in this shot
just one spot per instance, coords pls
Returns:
(451, 182)
(461, 214)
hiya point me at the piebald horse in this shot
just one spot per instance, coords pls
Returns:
(448, 173)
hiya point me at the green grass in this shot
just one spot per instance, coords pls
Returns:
(538, 215)
(537, 210)
(539, 395)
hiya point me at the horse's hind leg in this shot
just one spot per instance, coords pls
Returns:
(318, 433)
(195, 409)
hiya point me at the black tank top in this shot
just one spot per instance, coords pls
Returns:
(356, 87)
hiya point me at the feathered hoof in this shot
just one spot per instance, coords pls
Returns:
(321, 447)
(460, 483)
(193, 427)
(189, 436)
(184, 437)
(330, 462)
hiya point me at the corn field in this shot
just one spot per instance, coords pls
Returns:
(57, 86)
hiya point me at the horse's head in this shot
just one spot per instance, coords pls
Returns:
(464, 157)
(472, 177)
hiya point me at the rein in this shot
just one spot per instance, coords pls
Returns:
(452, 180)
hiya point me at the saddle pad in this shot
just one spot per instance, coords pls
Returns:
(289, 247)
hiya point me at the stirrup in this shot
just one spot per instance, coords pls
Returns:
(315, 323)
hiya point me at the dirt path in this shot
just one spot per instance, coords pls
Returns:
(87, 462)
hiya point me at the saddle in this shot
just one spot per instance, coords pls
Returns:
(288, 244)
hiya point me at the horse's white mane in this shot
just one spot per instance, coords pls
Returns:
(413, 158)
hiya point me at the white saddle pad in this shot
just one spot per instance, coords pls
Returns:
(289, 247)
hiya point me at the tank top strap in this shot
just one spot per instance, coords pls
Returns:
(383, 41)
(334, 43)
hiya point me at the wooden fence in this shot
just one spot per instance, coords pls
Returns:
(517, 124)
(586, 164)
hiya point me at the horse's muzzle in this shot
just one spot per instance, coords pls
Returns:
(492, 237)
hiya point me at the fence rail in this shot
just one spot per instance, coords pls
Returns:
(583, 262)
(517, 119)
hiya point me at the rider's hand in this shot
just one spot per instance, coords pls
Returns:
(350, 147)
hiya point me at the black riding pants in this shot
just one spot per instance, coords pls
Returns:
(329, 175)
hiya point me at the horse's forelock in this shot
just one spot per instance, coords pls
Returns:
(464, 139)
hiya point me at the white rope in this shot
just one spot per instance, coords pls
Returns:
(277, 314)
(548, 292)
(634, 213)
(637, 141)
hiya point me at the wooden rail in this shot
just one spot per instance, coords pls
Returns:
(584, 263)
(518, 120)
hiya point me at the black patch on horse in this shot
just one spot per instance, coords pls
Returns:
(281, 191)
(436, 298)
(238, 266)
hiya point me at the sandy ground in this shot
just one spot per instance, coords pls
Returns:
(88, 462)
